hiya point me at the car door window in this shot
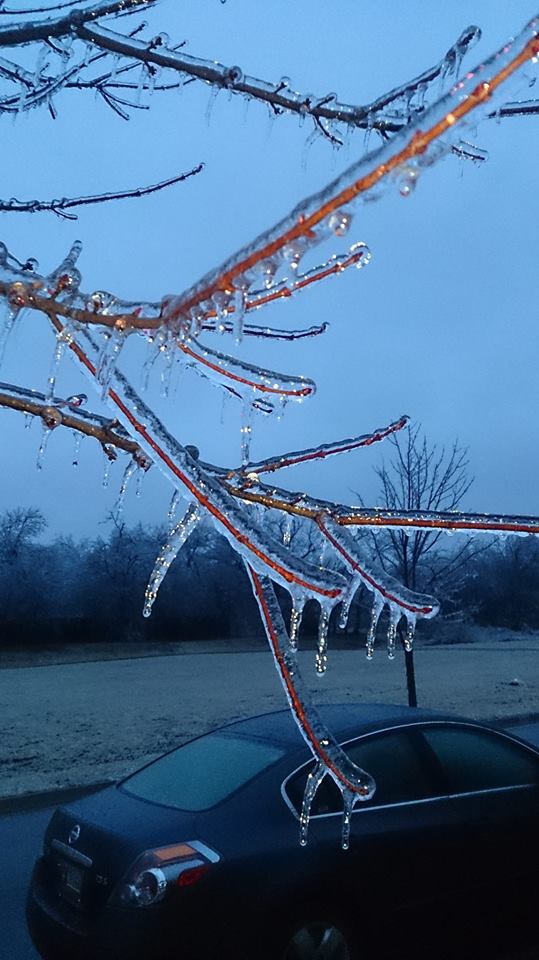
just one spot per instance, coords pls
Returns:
(474, 760)
(393, 760)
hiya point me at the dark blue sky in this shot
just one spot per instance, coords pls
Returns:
(441, 325)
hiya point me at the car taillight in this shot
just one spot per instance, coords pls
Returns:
(155, 871)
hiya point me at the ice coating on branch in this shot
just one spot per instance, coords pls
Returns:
(423, 141)
(245, 535)
(354, 783)
(168, 553)
(386, 589)
(322, 451)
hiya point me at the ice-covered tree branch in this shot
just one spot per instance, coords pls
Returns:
(61, 206)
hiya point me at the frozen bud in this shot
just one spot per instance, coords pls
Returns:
(31, 265)
(340, 222)
(51, 417)
(233, 75)
(69, 281)
(161, 40)
(192, 451)
(99, 300)
(307, 102)
(17, 295)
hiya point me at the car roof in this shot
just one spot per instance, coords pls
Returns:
(344, 720)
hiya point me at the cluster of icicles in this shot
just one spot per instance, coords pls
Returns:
(92, 330)
(130, 67)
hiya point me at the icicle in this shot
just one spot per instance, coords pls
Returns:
(287, 529)
(321, 660)
(106, 470)
(394, 617)
(377, 607)
(63, 338)
(171, 515)
(128, 473)
(166, 373)
(221, 304)
(410, 633)
(168, 554)
(11, 314)
(349, 799)
(108, 358)
(246, 431)
(314, 779)
(323, 553)
(43, 446)
(28, 418)
(298, 603)
(138, 487)
(211, 103)
(345, 611)
(240, 300)
(76, 448)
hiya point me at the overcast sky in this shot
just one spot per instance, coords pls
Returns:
(442, 325)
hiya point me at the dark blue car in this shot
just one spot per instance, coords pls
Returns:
(197, 855)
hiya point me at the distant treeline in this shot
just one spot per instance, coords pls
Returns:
(93, 590)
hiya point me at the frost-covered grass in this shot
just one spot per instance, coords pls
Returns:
(65, 724)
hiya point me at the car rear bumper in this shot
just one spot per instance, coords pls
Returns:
(59, 931)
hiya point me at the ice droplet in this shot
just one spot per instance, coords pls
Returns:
(340, 222)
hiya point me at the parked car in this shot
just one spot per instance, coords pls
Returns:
(196, 855)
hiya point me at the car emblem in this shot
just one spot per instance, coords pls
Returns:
(74, 834)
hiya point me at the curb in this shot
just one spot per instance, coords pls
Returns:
(37, 800)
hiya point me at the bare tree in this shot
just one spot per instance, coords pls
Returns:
(422, 477)
(18, 528)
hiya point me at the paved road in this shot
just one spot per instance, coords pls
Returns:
(20, 842)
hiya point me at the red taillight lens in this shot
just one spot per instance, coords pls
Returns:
(191, 876)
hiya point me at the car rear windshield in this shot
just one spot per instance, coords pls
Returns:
(204, 772)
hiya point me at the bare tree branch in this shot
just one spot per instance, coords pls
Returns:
(60, 206)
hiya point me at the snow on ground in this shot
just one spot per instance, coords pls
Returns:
(66, 724)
